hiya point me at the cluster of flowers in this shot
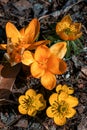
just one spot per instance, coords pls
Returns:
(44, 62)
(62, 104)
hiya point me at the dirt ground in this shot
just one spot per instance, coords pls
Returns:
(49, 12)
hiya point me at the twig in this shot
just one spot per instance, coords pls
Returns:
(60, 12)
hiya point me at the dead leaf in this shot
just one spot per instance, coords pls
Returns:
(22, 123)
(1, 125)
(7, 78)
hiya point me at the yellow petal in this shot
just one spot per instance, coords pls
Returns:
(64, 88)
(22, 109)
(36, 44)
(67, 19)
(30, 93)
(49, 112)
(53, 98)
(3, 46)
(58, 88)
(62, 66)
(21, 99)
(71, 113)
(52, 64)
(42, 52)
(12, 33)
(40, 102)
(70, 90)
(63, 96)
(36, 70)
(59, 49)
(27, 58)
(32, 111)
(59, 120)
(48, 80)
(72, 101)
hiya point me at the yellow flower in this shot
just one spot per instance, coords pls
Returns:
(45, 65)
(31, 102)
(64, 88)
(62, 107)
(67, 29)
(18, 41)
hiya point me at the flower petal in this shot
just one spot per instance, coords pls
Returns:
(36, 44)
(52, 64)
(21, 99)
(67, 18)
(36, 70)
(27, 58)
(64, 36)
(49, 112)
(58, 88)
(30, 92)
(12, 33)
(77, 26)
(40, 103)
(3, 46)
(62, 66)
(53, 98)
(32, 31)
(22, 109)
(32, 111)
(59, 120)
(72, 101)
(71, 113)
(48, 80)
(59, 49)
(42, 52)
(64, 88)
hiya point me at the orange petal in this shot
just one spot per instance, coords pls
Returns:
(42, 52)
(3, 46)
(67, 19)
(63, 36)
(52, 64)
(32, 31)
(36, 44)
(59, 49)
(27, 58)
(48, 80)
(77, 26)
(12, 33)
(78, 35)
(36, 71)
(62, 66)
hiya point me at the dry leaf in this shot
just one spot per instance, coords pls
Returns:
(7, 78)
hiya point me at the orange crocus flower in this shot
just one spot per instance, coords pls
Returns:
(45, 64)
(67, 29)
(18, 41)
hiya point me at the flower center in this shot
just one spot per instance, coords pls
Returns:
(43, 63)
(60, 108)
(28, 102)
(67, 31)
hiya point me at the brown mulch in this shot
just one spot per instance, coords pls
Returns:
(49, 12)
